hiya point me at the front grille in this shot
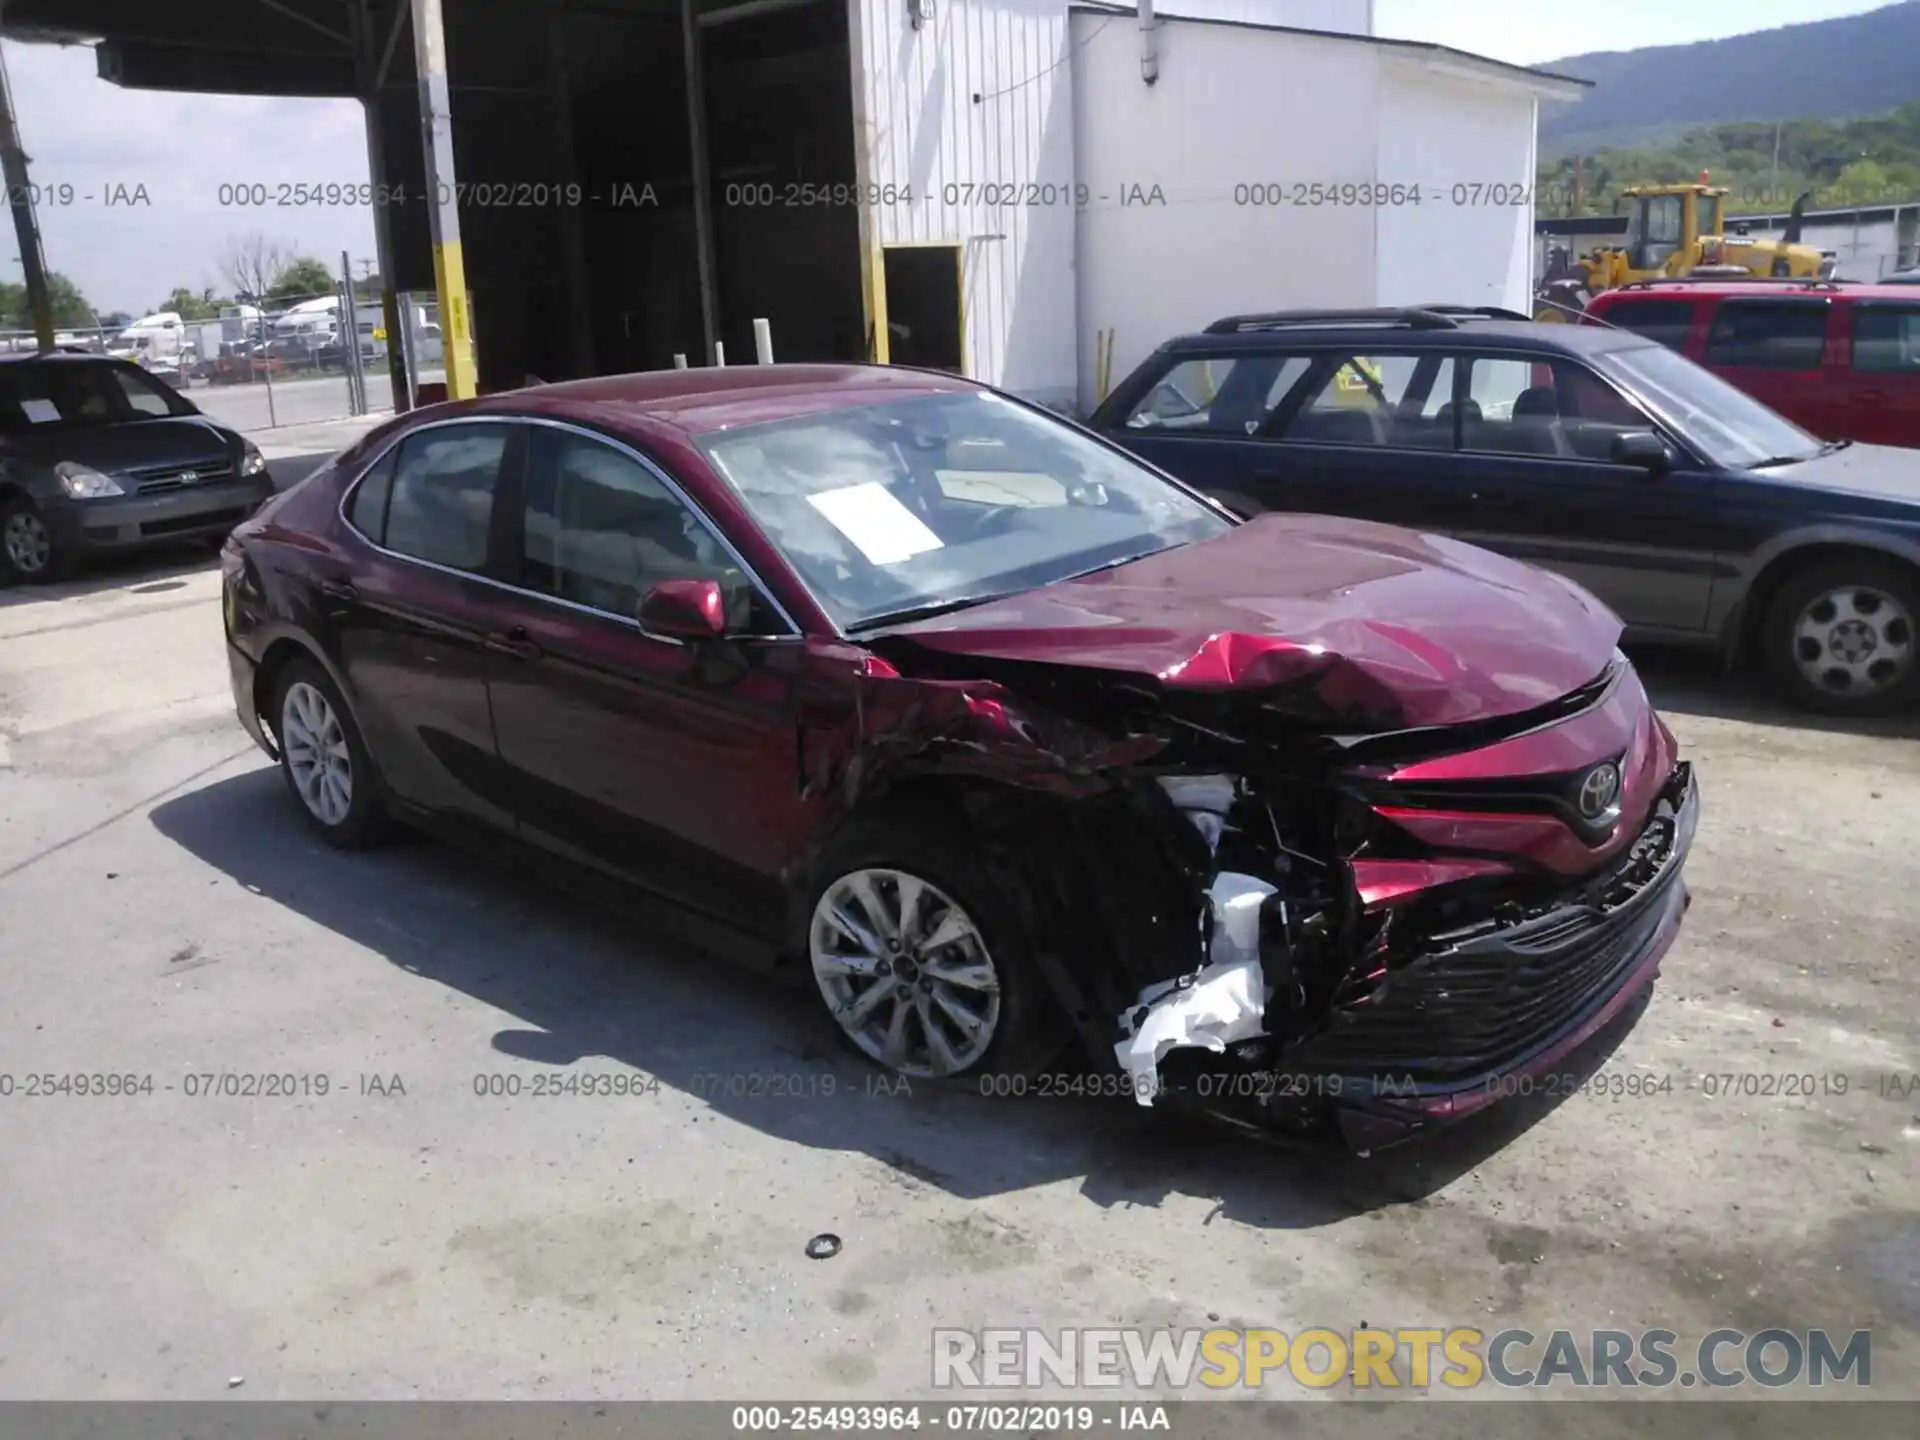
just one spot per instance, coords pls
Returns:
(159, 479)
(1485, 1003)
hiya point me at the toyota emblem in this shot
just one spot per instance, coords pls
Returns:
(187, 477)
(1599, 789)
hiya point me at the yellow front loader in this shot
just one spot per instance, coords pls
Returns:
(1675, 230)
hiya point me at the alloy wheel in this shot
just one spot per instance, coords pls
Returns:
(317, 753)
(905, 972)
(1854, 641)
(29, 546)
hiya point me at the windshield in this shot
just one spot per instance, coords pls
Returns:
(75, 395)
(1726, 425)
(912, 505)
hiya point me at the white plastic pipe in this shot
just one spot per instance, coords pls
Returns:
(719, 352)
(763, 342)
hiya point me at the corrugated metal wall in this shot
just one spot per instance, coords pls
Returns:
(973, 114)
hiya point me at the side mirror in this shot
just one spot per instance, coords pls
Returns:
(1642, 448)
(687, 611)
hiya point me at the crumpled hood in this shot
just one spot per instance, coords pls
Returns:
(1376, 624)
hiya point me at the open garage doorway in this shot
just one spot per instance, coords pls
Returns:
(925, 309)
(777, 121)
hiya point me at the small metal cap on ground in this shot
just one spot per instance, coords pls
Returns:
(823, 1247)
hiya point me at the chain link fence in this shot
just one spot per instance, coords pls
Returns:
(290, 361)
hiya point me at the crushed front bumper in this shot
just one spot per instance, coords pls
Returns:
(1459, 1027)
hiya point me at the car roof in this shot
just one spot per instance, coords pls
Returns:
(63, 357)
(1464, 331)
(722, 397)
(1756, 288)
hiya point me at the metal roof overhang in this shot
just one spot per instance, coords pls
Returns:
(237, 47)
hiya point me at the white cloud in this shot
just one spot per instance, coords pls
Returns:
(82, 132)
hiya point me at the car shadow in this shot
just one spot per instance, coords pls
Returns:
(583, 984)
(1691, 682)
(142, 572)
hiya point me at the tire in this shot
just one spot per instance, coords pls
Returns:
(21, 525)
(1872, 609)
(362, 820)
(1027, 1029)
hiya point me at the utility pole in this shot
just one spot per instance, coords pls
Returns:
(1773, 185)
(33, 260)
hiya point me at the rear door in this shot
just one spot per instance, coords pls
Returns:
(1775, 350)
(1367, 433)
(415, 616)
(1199, 420)
(671, 765)
(1536, 482)
(1877, 389)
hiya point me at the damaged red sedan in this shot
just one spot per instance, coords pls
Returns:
(995, 736)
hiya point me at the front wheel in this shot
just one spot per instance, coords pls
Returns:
(922, 961)
(1840, 638)
(28, 551)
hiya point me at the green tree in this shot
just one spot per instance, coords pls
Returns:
(301, 278)
(70, 308)
(190, 306)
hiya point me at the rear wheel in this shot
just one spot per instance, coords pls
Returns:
(1841, 638)
(27, 549)
(324, 759)
(921, 959)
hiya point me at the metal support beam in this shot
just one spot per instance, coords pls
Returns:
(443, 209)
(400, 13)
(33, 261)
(308, 21)
(573, 243)
(399, 361)
(702, 181)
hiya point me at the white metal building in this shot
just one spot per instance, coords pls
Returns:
(1081, 174)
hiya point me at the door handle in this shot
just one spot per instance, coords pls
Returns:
(513, 642)
(337, 593)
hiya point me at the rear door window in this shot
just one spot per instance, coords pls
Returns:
(1220, 395)
(1886, 339)
(1768, 334)
(441, 506)
(1666, 321)
(1378, 399)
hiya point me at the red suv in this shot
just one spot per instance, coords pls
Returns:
(1840, 359)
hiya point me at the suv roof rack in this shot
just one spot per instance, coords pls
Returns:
(1414, 318)
(1483, 312)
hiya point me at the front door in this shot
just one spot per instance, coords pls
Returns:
(1537, 482)
(669, 764)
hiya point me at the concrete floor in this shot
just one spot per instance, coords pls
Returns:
(163, 913)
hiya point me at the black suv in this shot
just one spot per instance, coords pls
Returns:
(96, 454)
(1690, 508)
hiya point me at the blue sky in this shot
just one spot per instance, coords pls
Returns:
(80, 131)
(1527, 34)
